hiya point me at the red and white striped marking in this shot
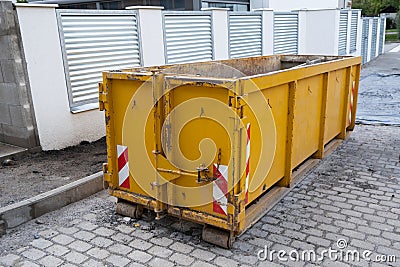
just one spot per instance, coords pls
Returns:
(123, 166)
(247, 164)
(351, 101)
(220, 189)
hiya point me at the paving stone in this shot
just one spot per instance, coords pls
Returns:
(391, 235)
(98, 253)
(50, 261)
(103, 231)
(222, 261)
(49, 233)
(63, 239)
(126, 229)
(88, 226)
(202, 264)
(181, 247)
(123, 238)
(101, 242)
(279, 239)
(246, 259)
(160, 251)
(142, 234)
(33, 254)
(41, 243)
(26, 263)
(157, 262)
(181, 259)
(203, 254)
(378, 240)
(93, 263)
(368, 230)
(161, 241)
(75, 257)
(362, 244)
(117, 260)
(80, 246)
(57, 250)
(140, 244)
(9, 260)
(84, 235)
(140, 256)
(354, 234)
(68, 230)
(119, 249)
(319, 241)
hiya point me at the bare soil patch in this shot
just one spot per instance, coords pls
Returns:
(29, 175)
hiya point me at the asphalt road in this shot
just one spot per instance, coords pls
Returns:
(379, 92)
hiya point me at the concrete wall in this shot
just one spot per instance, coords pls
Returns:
(17, 120)
(57, 126)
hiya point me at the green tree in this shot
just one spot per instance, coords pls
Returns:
(374, 7)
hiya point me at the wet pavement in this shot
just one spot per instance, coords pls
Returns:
(379, 93)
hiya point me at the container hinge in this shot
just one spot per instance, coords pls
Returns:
(102, 97)
(106, 176)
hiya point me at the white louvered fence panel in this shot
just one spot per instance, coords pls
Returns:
(286, 27)
(374, 37)
(382, 35)
(92, 43)
(245, 35)
(188, 38)
(364, 40)
(343, 32)
(353, 32)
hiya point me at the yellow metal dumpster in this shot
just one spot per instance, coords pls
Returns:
(218, 142)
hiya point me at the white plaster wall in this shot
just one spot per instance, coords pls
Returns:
(151, 34)
(57, 126)
(268, 31)
(318, 32)
(220, 29)
(287, 5)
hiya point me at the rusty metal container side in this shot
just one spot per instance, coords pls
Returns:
(204, 141)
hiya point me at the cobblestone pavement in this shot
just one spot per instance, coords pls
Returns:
(353, 195)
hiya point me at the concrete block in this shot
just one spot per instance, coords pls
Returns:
(2, 227)
(9, 93)
(21, 212)
(7, 19)
(1, 75)
(5, 51)
(5, 117)
(16, 214)
(17, 116)
(7, 68)
(18, 136)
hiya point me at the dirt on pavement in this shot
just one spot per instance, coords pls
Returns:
(29, 175)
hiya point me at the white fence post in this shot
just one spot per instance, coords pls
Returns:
(267, 30)
(348, 42)
(318, 31)
(302, 32)
(370, 22)
(220, 32)
(151, 35)
(378, 36)
(359, 34)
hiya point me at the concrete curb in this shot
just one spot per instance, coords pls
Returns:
(26, 210)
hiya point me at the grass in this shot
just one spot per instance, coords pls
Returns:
(391, 37)
(391, 30)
